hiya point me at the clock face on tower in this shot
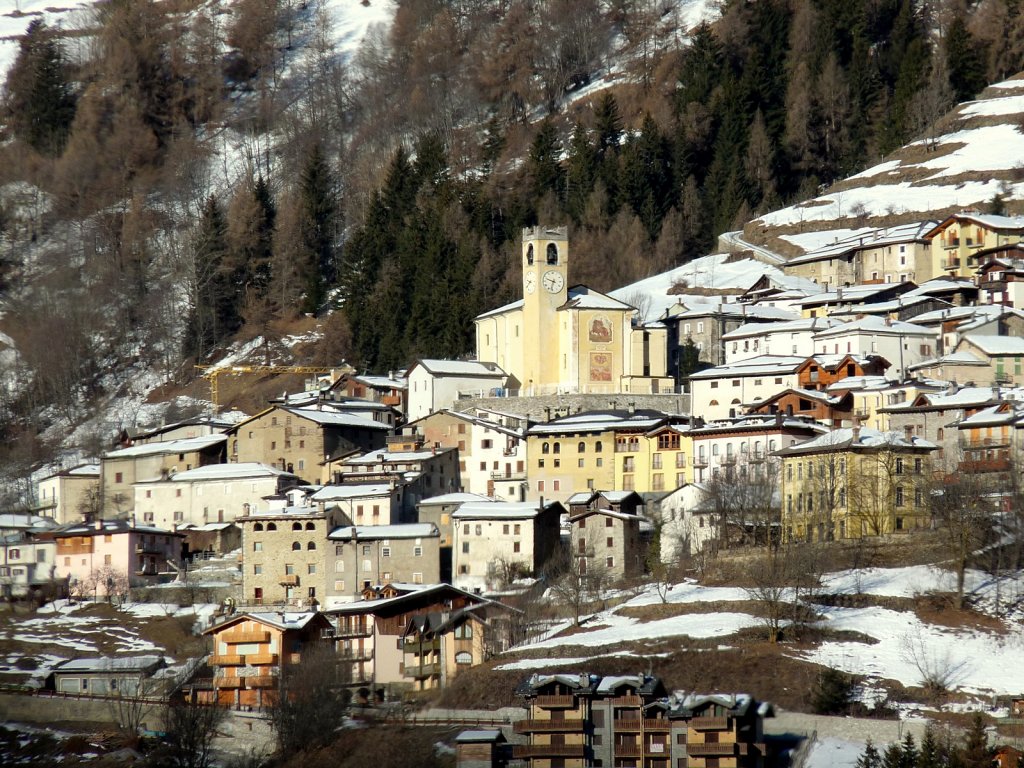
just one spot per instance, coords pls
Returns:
(553, 281)
(531, 282)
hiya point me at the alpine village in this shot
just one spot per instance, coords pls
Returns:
(512, 383)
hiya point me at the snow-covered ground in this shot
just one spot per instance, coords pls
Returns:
(988, 148)
(902, 646)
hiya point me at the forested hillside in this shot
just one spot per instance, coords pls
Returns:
(178, 174)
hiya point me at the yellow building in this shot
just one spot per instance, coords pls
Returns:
(613, 450)
(560, 339)
(957, 241)
(855, 482)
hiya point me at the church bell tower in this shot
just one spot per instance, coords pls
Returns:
(545, 289)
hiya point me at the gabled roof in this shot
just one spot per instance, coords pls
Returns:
(353, 491)
(501, 310)
(803, 324)
(283, 620)
(600, 421)
(461, 368)
(82, 470)
(582, 297)
(185, 445)
(451, 498)
(425, 595)
(875, 325)
(108, 527)
(863, 438)
(988, 221)
(996, 346)
(399, 531)
(125, 664)
(503, 510)
(211, 472)
(762, 365)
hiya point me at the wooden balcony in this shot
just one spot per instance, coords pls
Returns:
(354, 629)
(549, 726)
(527, 751)
(414, 645)
(719, 723)
(252, 636)
(228, 660)
(657, 724)
(421, 671)
(262, 659)
(227, 682)
(627, 750)
(716, 749)
(627, 701)
(557, 702)
(260, 681)
(627, 724)
(289, 580)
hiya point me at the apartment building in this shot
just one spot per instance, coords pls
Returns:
(361, 556)
(69, 495)
(606, 533)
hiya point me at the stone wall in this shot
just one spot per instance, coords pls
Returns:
(561, 405)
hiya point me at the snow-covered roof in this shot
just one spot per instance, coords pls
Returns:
(943, 284)
(996, 346)
(185, 445)
(382, 382)
(599, 421)
(886, 307)
(333, 418)
(859, 383)
(452, 498)
(285, 620)
(762, 365)
(107, 527)
(502, 310)
(499, 510)
(993, 415)
(851, 294)
(846, 438)
(748, 330)
(582, 297)
(401, 531)
(987, 220)
(384, 456)
(472, 368)
(954, 358)
(82, 470)
(228, 472)
(902, 233)
(875, 325)
(353, 491)
(139, 664)
(480, 736)
(14, 521)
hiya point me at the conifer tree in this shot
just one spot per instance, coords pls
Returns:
(893, 756)
(976, 752)
(39, 101)
(320, 224)
(965, 60)
(544, 166)
(929, 756)
(580, 173)
(214, 312)
(869, 758)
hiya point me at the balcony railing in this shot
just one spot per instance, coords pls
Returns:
(526, 751)
(261, 681)
(627, 701)
(513, 474)
(228, 660)
(253, 636)
(261, 659)
(289, 580)
(716, 749)
(657, 724)
(227, 682)
(627, 750)
(628, 724)
(700, 461)
(358, 629)
(557, 701)
(414, 645)
(549, 726)
(710, 723)
(422, 670)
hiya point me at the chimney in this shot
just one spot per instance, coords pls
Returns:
(547, 413)
(99, 524)
(631, 408)
(908, 433)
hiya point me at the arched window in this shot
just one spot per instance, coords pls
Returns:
(310, 526)
(296, 546)
(713, 402)
(529, 254)
(296, 526)
(545, 448)
(258, 527)
(735, 401)
(558, 448)
(463, 657)
(271, 526)
(552, 253)
(581, 447)
(311, 545)
(597, 447)
(714, 449)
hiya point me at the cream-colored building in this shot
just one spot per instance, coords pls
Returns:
(959, 242)
(68, 495)
(216, 493)
(560, 339)
(891, 255)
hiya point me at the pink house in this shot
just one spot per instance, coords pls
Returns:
(112, 555)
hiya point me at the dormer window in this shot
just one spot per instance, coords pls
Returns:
(552, 253)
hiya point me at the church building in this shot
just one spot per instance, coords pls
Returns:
(561, 339)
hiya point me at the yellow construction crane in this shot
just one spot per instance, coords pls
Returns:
(213, 373)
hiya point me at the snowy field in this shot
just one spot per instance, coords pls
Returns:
(980, 661)
(981, 149)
